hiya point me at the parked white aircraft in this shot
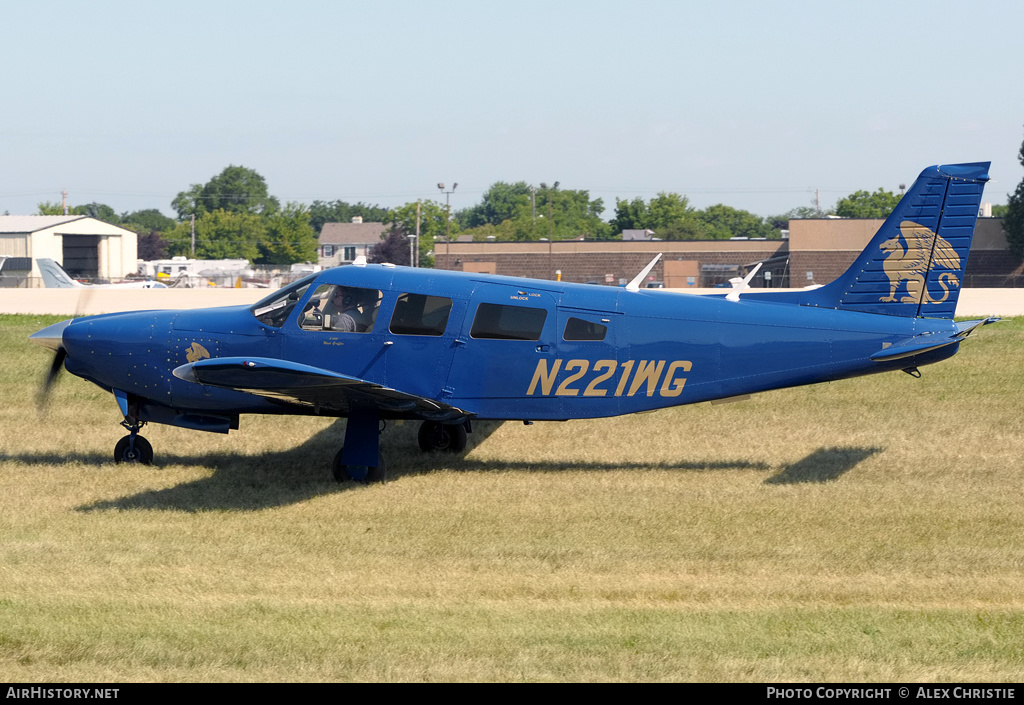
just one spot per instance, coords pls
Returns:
(55, 277)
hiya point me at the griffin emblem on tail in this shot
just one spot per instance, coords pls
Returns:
(924, 249)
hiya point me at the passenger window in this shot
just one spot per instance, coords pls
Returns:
(508, 322)
(418, 314)
(345, 309)
(578, 329)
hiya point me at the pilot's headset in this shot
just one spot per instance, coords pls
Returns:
(348, 298)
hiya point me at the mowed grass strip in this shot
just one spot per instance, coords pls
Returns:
(868, 529)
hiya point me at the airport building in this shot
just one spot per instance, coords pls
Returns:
(87, 248)
(816, 251)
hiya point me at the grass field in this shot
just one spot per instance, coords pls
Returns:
(865, 530)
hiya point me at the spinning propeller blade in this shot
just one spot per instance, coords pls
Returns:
(51, 337)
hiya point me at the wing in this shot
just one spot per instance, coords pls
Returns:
(320, 389)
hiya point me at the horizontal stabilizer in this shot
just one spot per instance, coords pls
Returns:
(312, 386)
(920, 344)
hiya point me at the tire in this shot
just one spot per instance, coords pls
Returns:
(143, 453)
(365, 475)
(445, 438)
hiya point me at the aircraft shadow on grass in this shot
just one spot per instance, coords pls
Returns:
(823, 465)
(250, 483)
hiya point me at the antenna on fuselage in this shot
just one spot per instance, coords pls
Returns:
(639, 278)
(740, 285)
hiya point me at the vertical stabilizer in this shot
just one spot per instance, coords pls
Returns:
(54, 276)
(914, 266)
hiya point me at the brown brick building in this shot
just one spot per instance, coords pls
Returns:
(816, 252)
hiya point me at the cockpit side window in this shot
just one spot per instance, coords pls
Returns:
(419, 314)
(344, 309)
(274, 310)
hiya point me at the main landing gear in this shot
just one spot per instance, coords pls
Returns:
(360, 460)
(367, 474)
(447, 438)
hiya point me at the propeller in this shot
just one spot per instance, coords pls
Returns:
(51, 376)
(51, 337)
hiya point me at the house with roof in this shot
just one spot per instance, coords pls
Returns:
(341, 243)
(86, 247)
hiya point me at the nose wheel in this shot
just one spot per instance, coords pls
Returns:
(133, 448)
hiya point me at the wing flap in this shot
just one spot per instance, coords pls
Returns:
(295, 383)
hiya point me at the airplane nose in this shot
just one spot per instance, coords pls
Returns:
(51, 337)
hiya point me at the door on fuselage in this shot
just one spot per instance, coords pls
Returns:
(342, 328)
(422, 330)
(588, 364)
(506, 331)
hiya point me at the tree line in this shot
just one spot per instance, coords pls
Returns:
(233, 215)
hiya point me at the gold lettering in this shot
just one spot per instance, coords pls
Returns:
(673, 387)
(592, 388)
(647, 371)
(627, 367)
(541, 375)
(564, 390)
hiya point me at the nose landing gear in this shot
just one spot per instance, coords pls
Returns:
(133, 448)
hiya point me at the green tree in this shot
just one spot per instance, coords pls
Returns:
(1013, 220)
(99, 211)
(725, 222)
(669, 215)
(289, 237)
(432, 226)
(147, 220)
(48, 208)
(236, 189)
(861, 204)
(150, 225)
(999, 211)
(501, 202)
(521, 212)
(220, 235)
(630, 215)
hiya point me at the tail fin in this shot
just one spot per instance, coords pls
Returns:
(54, 276)
(915, 263)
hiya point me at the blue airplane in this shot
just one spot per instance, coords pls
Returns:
(379, 342)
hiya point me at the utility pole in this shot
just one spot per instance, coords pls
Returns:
(193, 236)
(551, 235)
(64, 201)
(447, 222)
(414, 256)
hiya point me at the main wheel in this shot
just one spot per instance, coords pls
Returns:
(142, 454)
(449, 438)
(359, 473)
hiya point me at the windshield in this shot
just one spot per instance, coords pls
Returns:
(274, 310)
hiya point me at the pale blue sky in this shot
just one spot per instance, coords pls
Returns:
(752, 104)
